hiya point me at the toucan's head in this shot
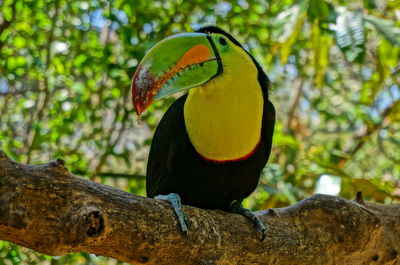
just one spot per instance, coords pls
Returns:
(189, 60)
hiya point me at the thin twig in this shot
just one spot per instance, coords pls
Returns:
(295, 102)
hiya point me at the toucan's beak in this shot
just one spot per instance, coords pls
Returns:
(177, 63)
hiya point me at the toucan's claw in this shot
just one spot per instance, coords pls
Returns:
(175, 201)
(236, 207)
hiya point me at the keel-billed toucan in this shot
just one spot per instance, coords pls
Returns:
(212, 143)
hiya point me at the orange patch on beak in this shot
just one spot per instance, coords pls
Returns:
(145, 86)
(197, 54)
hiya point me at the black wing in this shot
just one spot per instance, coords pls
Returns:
(169, 143)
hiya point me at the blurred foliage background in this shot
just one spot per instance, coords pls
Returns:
(66, 68)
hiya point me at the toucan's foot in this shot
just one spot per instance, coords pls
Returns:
(236, 207)
(175, 201)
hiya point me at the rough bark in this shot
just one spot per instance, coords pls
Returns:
(47, 209)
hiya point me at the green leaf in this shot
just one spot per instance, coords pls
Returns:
(321, 10)
(350, 35)
(19, 42)
(7, 13)
(320, 45)
(386, 28)
(285, 140)
(291, 40)
(79, 60)
(5, 34)
(370, 4)
(23, 26)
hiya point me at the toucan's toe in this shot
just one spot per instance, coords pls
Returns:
(175, 201)
(236, 207)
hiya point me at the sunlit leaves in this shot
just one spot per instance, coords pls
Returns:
(19, 42)
(80, 59)
(390, 54)
(15, 62)
(350, 35)
(7, 10)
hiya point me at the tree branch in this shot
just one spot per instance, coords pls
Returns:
(47, 209)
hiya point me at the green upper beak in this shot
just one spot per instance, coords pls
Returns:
(177, 63)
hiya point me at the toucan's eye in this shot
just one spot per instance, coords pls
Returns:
(223, 42)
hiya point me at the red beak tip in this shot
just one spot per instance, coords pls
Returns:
(138, 108)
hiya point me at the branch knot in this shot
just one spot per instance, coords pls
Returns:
(59, 163)
(95, 223)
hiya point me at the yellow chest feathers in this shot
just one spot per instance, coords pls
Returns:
(223, 117)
